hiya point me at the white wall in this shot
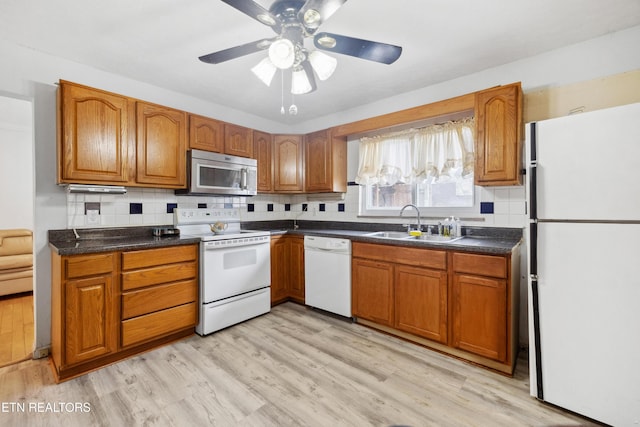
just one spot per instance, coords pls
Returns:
(16, 163)
(603, 56)
(33, 75)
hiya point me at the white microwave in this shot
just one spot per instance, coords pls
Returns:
(215, 173)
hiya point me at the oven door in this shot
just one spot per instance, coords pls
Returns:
(234, 270)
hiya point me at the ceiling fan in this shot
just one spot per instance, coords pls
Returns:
(294, 21)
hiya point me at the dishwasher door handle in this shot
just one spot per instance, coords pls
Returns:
(328, 250)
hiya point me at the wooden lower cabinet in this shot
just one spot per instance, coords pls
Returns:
(279, 269)
(296, 280)
(464, 304)
(287, 269)
(90, 317)
(159, 292)
(421, 302)
(108, 306)
(480, 315)
(372, 290)
(480, 305)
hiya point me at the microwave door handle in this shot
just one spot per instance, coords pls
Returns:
(243, 178)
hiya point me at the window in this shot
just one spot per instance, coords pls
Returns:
(431, 167)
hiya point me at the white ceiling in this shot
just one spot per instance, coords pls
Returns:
(159, 42)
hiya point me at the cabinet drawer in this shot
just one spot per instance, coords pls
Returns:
(157, 257)
(157, 298)
(402, 255)
(158, 275)
(90, 265)
(481, 265)
(153, 325)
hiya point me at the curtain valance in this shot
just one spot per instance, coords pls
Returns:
(434, 152)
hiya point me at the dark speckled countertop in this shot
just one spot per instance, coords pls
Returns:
(488, 240)
(95, 240)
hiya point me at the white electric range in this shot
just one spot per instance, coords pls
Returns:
(235, 267)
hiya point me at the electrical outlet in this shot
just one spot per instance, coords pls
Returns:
(93, 217)
(92, 212)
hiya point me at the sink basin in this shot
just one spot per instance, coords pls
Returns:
(437, 238)
(403, 235)
(390, 235)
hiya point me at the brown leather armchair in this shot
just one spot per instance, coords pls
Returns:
(16, 261)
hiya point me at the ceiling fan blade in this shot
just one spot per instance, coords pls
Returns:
(365, 49)
(312, 79)
(236, 52)
(257, 12)
(315, 12)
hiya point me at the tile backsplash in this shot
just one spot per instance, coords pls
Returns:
(142, 206)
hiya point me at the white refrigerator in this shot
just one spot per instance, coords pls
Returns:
(583, 185)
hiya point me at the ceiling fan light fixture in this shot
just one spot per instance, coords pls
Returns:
(266, 19)
(300, 82)
(265, 70)
(323, 64)
(312, 18)
(327, 42)
(282, 53)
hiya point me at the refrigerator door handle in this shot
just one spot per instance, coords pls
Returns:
(533, 176)
(533, 275)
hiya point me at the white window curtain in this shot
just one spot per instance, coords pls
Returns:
(417, 155)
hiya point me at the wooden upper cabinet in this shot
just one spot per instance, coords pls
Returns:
(498, 113)
(94, 132)
(161, 145)
(206, 134)
(262, 145)
(288, 157)
(325, 162)
(238, 140)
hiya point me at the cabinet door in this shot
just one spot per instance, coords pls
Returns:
(94, 137)
(262, 152)
(372, 291)
(296, 266)
(498, 132)
(318, 161)
(480, 315)
(238, 140)
(91, 322)
(161, 146)
(288, 164)
(325, 162)
(279, 269)
(206, 134)
(421, 302)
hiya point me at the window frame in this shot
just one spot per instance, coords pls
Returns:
(426, 212)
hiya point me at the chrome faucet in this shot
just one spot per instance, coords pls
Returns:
(417, 214)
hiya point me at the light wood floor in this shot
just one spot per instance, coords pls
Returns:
(16, 328)
(291, 367)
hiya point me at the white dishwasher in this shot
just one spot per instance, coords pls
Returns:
(327, 274)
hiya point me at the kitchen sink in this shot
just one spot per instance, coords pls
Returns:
(390, 235)
(437, 238)
(403, 235)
